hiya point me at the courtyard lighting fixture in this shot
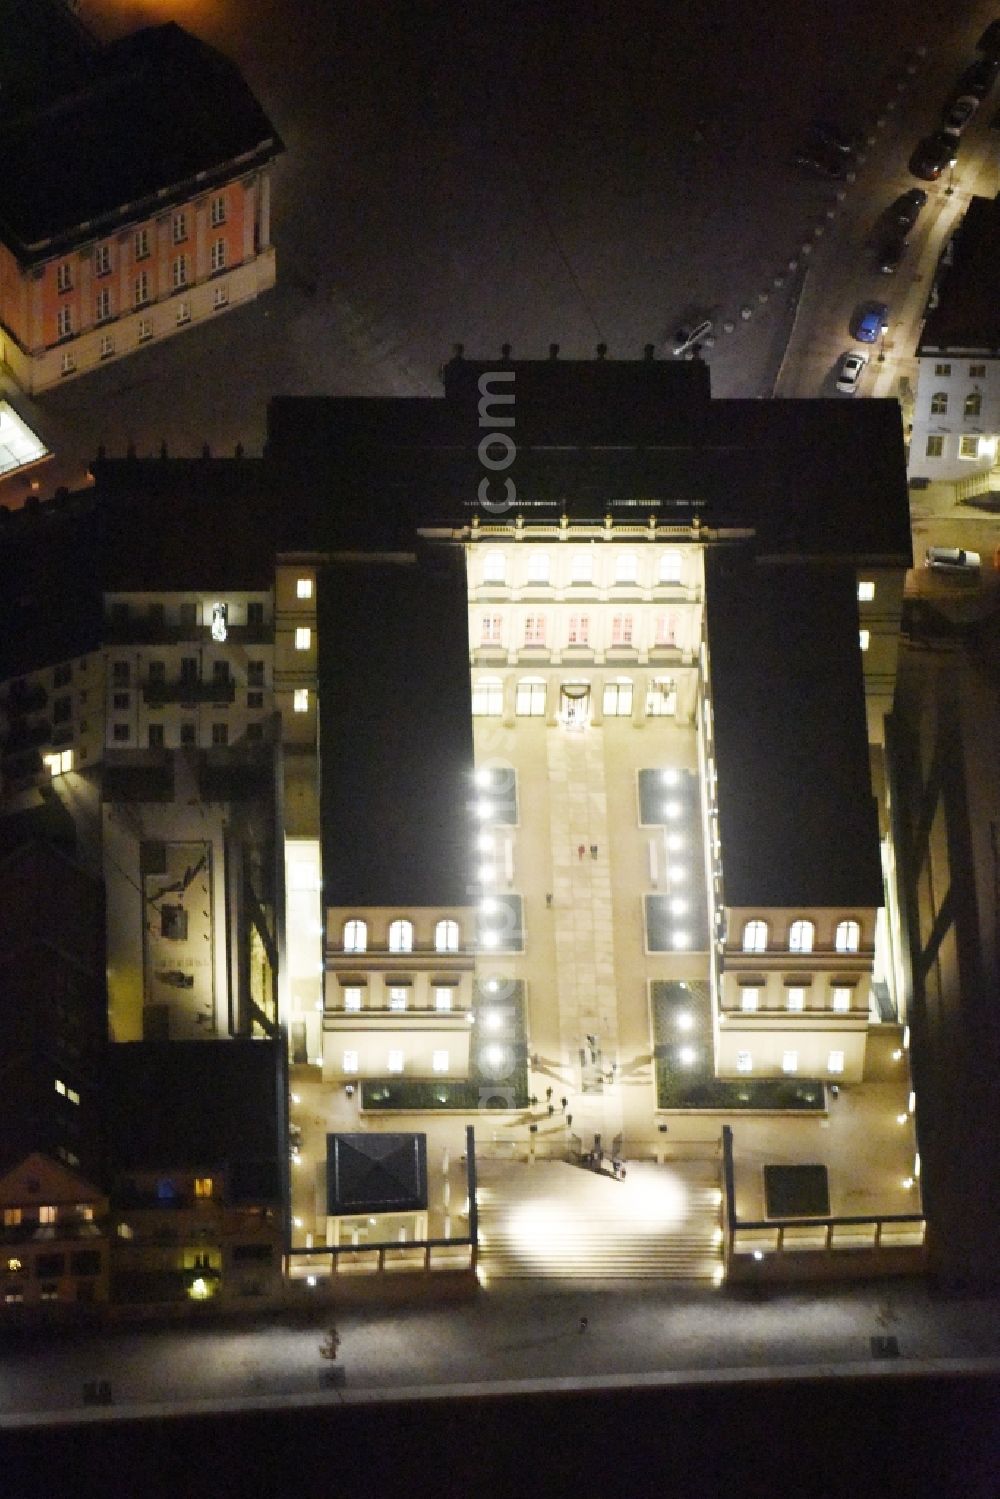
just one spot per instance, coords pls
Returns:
(484, 808)
(487, 874)
(675, 841)
(672, 809)
(758, 1254)
(676, 874)
(310, 1280)
(488, 906)
(669, 777)
(682, 939)
(490, 939)
(685, 1021)
(485, 841)
(678, 906)
(686, 1056)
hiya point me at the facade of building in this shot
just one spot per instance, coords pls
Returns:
(105, 248)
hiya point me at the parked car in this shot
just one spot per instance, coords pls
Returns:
(834, 137)
(826, 161)
(852, 367)
(871, 319)
(907, 206)
(952, 560)
(958, 114)
(689, 338)
(891, 252)
(933, 154)
(989, 42)
(979, 77)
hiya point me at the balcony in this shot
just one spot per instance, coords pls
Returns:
(146, 630)
(188, 690)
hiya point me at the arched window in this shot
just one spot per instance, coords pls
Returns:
(538, 566)
(356, 936)
(973, 403)
(581, 568)
(670, 567)
(446, 936)
(494, 567)
(487, 697)
(847, 937)
(939, 403)
(755, 936)
(401, 936)
(800, 936)
(626, 567)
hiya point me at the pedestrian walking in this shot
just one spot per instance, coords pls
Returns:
(581, 851)
(593, 850)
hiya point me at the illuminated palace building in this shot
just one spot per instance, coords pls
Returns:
(514, 761)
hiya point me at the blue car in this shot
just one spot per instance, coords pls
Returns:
(871, 319)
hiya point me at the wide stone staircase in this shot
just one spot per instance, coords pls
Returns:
(556, 1221)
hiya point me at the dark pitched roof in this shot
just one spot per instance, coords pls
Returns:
(150, 115)
(968, 312)
(175, 1105)
(396, 731)
(797, 817)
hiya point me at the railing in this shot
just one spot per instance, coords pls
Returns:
(424, 1255)
(189, 691)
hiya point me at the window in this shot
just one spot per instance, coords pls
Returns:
(350, 1061)
(446, 936)
(220, 298)
(538, 567)
(581, 569)
(670, 567)
(203, 1186)
(68, 365)
(119, 733)
(145, 329)
(935, 447)
(487, 697)
(220, 673)
(178, 228)
(439, 1061)
(140, 289)
(102, 306)
(866, 591)
(749, 995)
(217, 211)
(64, 322)
(156, 736)
(835, 1062)
(841, 999)
(626, 568)
(300, 700)
(46, 1214)
(64, 277)
(755, 936)
(617, 698)
(220, 733)
(442, 998)
(120, 702)
(621, 629)
(789, 1061)
(157, 671)
(973, 404)
(977, 372)
(107, 346)
(303, 638)
(579, 629)
(395, 1061)
(401, 936)
(847, 937)
(356, 936)
(494, 567)
(352, 997)
(179, 271)
(255, 674)
(189, 669)
(218, 255)
(968, 446)
(534, 629)
(12, 1218)
(491, 626)
(303, 588)
(102, 260)
(666, 630)
(942, 369)
(61, 709)
(59, 1086)
(140, 244)
(397, 997)
(744, 1061)
(864, 639)
(255, 614)
(939, 403)
(800, 936)
(255, 700)
(529, 698)
(661, 699)
(61, 675)
(62, 761)
(188, 733)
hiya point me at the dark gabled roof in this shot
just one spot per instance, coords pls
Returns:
(797, 816)
(46, 55)
(396, 731)
(149, 115)
(176, 1105)
(967, 315)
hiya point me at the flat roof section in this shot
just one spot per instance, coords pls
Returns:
(967, 315)
(797, 816)
(396, 754)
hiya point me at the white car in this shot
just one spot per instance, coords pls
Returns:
(958, 114)
(952, 560)
(852, 367)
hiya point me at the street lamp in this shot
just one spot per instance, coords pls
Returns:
(881, 348)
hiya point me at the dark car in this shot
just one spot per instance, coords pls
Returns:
(833, 137)
(890, 253)
(824, 161)
(979, 77)
(906, 209)
(989, 42)
(869, 321)
(933, 155)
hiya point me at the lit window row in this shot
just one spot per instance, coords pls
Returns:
(537, 567)
(398, 997)
(65, 1091)
(847, 937)
(790, 1061)
(531, 696)
(579, 630)
(396, 1061)
(751, 996)
(446, 936)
